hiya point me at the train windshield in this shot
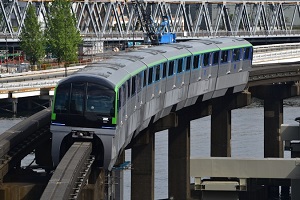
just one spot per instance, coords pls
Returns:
(100, 100)
(84, 97)
(84, 103)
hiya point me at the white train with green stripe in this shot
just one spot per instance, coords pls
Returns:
(112, 101)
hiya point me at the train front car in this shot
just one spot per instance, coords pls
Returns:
(84, 109)
(234, 60)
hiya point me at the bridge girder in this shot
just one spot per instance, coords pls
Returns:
(118, 20)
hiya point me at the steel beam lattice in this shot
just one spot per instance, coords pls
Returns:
(118, 20)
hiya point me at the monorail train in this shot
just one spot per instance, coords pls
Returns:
(111, 101)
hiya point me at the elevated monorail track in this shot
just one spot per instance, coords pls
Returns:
(71, 174)
(21, 139)
(274, 73)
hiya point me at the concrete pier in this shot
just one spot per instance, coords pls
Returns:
(273, 118)
(142, 173)
(273, 96)
(221, 122)
(179, 160)
(14, 105)
(220, 128)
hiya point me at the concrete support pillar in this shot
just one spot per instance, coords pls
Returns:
(142, 173)
(96, 187)
(273, 96)
(221, 128)
(43, 154)
(14, 106)
(273, 118)
(179, 160)
(119, 179)
(29, 104)
(295, 192)
(50, 101)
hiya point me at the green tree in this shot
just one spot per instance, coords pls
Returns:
(62, 35)
(32, 38)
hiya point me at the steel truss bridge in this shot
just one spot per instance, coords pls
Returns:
(118, 20)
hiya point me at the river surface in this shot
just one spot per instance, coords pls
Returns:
(246, 142)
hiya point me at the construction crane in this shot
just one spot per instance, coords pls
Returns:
(156, 35)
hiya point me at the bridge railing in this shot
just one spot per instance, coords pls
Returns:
(276, 52)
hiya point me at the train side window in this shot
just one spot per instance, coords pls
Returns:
(206, 59)
(188, 63)
(157, 72)
(236, 54)
(246, 53)
(196, 62)
(61, 104)
(145, 78)
(150, 76)
(215, 59)
(164, 70)
(171, 68)
(133, 85)
(224, 56)
(180, 65)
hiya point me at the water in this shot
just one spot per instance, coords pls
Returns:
(246, 142)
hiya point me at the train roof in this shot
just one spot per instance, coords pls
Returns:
(118, 67)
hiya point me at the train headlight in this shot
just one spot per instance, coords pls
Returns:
(82, 134)
(105, 120)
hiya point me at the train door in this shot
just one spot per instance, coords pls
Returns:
(150, 85)
(187, 71)
(127, 93)
(122, 103)
(130, 96)
(206, 66)
(170, 99)
(179, 73)
(157, 101)
(170, 76)
(236, 58)
(163, 79)
(195, 69)
(247, 58)
(215, 57)
(157, 82)
(139, 86)
(180, 78)
(225, 65)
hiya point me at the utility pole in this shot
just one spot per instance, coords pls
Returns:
(6, 53)
(65, 48)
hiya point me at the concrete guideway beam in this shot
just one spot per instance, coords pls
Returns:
(281, 168)
(64, 179)
(242, 169)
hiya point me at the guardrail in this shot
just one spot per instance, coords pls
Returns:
(276, 53)
(29, 85)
